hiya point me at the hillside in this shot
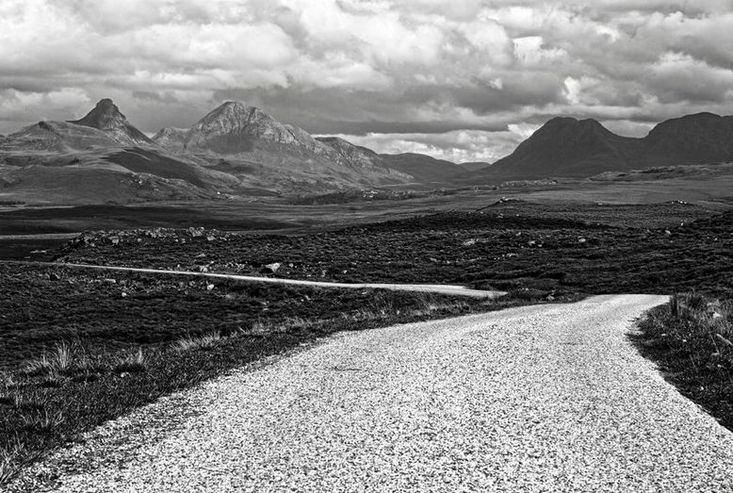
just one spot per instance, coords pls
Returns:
(566, 147)
(264, 153)
(420, 167)
(474, 165)
(425, 169)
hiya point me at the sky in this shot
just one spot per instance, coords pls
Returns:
(464, 80)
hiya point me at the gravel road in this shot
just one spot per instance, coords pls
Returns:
(416, 288)
(541, 398)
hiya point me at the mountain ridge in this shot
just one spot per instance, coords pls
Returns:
(566, 147)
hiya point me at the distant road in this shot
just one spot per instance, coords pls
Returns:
(547, 398)
(418, 288)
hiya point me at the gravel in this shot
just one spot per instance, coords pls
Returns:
(541, 398)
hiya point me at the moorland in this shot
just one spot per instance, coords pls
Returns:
(242, 193)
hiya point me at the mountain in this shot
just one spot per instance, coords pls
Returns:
(425, 169)
(173, 139)
(98, 159)
(421, 168)
(107, 117)
(566, 147)
(474, 165)
(692, 139)
(266, 154)
(50, 136)
(352, 153)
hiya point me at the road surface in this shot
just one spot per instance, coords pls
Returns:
(542, 398)
(415, 288)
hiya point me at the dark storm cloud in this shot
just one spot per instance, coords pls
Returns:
(461, 79)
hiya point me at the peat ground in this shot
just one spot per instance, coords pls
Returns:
(115, 341)
(664, 248)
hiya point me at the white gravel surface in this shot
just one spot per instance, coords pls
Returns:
(542, 398)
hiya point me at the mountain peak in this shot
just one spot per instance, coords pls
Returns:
(233, 127)
(106, 116)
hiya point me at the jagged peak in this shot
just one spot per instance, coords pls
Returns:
(234, 112)
(103, 115)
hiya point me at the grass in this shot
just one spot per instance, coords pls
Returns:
(691, 338)
(110, 354)
(201, 342)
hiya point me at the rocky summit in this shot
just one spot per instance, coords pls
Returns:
(107, 117)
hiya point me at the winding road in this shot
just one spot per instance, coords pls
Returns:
(540, 398)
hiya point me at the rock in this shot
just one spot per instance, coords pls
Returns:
(582, 240)
(196, 232)
(115, 240)
(209, 287)
(54, 276)
(270, 268)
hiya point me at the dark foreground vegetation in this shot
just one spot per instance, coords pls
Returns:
(692, 340)
(79, 348)
(510, 245)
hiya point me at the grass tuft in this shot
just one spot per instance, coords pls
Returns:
(132, 362)
(199, 342)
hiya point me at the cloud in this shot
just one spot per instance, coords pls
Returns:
(459, 78)
(456, 146)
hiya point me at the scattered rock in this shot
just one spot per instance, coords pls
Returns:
(270, 268)
(196, 232)
(582, 240)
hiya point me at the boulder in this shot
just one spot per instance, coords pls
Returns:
(270, 268)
